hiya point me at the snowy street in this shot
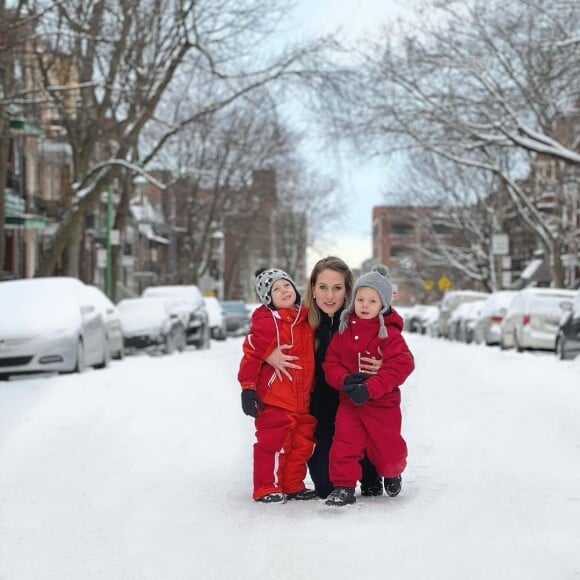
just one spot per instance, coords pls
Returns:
(143, 472)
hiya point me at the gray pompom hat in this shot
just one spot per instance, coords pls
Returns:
(265, 280)
(377, 279)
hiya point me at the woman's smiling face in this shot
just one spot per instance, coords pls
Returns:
(329, 291)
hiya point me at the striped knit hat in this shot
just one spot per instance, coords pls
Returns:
(265, 279)
(377, 279)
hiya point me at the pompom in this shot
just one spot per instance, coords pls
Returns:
(381, 269)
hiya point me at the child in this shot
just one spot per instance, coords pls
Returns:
(369, 413)
(279, 405)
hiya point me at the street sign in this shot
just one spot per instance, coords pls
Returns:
(500, 244)
(444, 283)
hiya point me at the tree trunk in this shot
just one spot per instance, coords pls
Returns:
(73, 249)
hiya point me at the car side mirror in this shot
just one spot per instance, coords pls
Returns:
(566, 306)
(502, 311)
(87, 309)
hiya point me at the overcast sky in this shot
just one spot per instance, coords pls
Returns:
(362, 181)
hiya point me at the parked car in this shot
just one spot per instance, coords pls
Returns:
(463, 319)
(188, 303)
(450, 302)
(112, 320)
(217, 319)
(568, 337)
(419, 317)
(237, 317)
(150, 324)
(532, 320)
(488, 325)
(49, 325)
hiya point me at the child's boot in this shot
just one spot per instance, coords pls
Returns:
(372, 488)
(341, 496)
(393, 485)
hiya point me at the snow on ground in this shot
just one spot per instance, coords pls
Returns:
(143, 471)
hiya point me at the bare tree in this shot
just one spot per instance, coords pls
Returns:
(482, 82)
(106, 67)
(13, 26)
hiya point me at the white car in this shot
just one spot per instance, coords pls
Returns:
(488, 325)
(217, 320)
(188, 303)
(150, 324)
(462, 321)
(533, 318)
(112, 320)
(450, 302)
(49, 325)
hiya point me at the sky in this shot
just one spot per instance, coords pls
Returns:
(143, 471)
(362, 181)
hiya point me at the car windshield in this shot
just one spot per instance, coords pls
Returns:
(142, 313)
(235, 307)
(40, 304)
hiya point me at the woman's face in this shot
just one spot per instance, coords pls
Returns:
(329, 291)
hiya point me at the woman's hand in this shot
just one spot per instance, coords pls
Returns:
(282, 362)
(369, 365)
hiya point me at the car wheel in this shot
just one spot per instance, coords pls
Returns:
(106, 357)
(561, 348)
(205, 340)
(80, 364)
(518, 346)
(169, 346)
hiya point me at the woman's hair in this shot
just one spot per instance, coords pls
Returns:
(328, 263)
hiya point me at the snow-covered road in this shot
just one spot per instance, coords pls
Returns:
(143, 471)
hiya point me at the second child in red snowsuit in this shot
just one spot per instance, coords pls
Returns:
(280, 406)
(369, 413)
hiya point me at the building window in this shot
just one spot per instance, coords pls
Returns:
(399, 251)
(402, 228)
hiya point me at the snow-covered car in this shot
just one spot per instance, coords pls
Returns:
(186, 301)
(217, 320)
(150, 324)
(533, 318)
(237, 317)
(488, 325)
(568, 337)
(463, 319)
(450, 302)
(420, 316)
(112, 320)
(49, 325)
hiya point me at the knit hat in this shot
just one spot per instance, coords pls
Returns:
(378, 280)
(265, 279)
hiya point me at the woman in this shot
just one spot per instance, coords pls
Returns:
(330, 288)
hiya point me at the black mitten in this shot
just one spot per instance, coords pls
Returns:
(251, 403)
(358, 393)
(355, 379)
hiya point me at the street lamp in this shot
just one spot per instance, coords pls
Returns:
(217, 261)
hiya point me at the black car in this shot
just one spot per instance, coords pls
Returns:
(568, 338)
(149, 324)
(237, 317)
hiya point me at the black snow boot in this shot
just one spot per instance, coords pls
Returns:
(393, 485)
(303, 494)
(372, 488)
(274, 497)
(341, 496)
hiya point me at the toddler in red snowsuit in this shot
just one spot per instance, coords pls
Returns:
(284, 427)
(369, 412)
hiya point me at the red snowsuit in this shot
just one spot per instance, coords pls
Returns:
(375, 426)
(284, 429)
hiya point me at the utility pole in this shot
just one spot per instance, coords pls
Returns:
(109, 267)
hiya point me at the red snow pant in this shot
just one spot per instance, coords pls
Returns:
(371, 428)
(284, 443)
